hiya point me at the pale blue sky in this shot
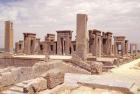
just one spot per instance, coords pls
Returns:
(122, 17)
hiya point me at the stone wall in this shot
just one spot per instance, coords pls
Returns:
(12, 75)
(17, 62)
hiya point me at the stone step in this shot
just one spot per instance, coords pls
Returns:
(21, 85)
(11, 92)
(15, 88)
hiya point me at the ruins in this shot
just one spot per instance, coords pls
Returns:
(93, 62)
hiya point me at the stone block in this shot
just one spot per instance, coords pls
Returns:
(25, 73)
(35, 86)
(96, 67)
(54, 77)
(40, 68)
(6, 79)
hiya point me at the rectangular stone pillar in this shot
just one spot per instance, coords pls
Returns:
(29, 43)
(82, 36)
(126, 47)
(64, 38)
(8, 36)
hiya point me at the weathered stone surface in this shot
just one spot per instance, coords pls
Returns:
(111, 85)
(14, 75)
(29, 43)
(64, 39)
(54, 77)
(95, 40)
(82, 36)
(8, 36)
(116, 62)
(119, 45)
(35, 86)
(6, 69)
(40, 68)
(6, 79)
(96, 67)
(25, 73)
(76, 61)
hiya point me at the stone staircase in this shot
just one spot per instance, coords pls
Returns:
(15, 89)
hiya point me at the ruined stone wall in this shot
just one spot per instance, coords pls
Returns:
(13, 75)
(17, 62)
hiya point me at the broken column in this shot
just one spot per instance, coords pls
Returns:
(82, 37)
(8, 36)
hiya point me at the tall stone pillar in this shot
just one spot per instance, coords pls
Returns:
(126, 47)
(8, 36)
(82, 36)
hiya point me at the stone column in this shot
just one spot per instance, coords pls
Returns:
(100, 47)
(112, 51)
(123, 48)
(8, 36)
(16, 47)
(82, 37)
(37, 47)
(133, 49)
(46, 52)
(115, 49)
(126, 47)
(26, 44)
